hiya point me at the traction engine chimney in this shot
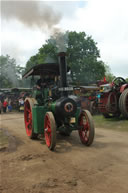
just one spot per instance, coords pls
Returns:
(63, 72)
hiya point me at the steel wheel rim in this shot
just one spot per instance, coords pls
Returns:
(47, 130)
(28, 118)
(85, 128)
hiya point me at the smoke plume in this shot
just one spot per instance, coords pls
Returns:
(60, 39)
(31, 13)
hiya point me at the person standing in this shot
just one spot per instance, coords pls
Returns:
(10, 105)
(5, 104)
(21, 104)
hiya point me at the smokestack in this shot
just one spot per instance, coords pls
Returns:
(63, 72)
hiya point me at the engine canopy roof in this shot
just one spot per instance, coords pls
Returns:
(43, 69)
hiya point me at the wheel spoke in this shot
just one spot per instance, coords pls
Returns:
(86, 131)
(86, 127)
(50, 130)
(27, 123)
(28, 117)
(28, 110)
(47, 131)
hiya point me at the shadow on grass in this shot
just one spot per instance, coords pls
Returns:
(114, 123)
(116, 119)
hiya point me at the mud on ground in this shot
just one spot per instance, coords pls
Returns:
(28, 166)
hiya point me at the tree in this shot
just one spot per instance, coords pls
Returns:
(82, 55)
(32, 62)
(10, 72)
(127, 80)
(109, 76)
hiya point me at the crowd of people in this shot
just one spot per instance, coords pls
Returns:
(7, 104)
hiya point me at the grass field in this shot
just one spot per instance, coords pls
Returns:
(111, 123)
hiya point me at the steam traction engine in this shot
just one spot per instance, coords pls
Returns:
(51, 109)
(113, 98)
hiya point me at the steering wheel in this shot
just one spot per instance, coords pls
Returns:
(119, 81)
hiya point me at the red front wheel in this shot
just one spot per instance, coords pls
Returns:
(86, 128)
(50, 130)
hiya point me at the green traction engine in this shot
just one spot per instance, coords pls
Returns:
(53, 109)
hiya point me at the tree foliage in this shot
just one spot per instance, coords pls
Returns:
(127, 80)
(109, 76)
(10, 72)
(82, 55)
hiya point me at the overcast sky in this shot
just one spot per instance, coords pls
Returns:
(25, 25)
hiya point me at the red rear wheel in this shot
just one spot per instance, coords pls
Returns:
(50, 130)
(86, 131)
(28, 118)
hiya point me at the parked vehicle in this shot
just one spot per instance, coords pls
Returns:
(51, 109)
(113, 98)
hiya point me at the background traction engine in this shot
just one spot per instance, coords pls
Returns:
(52, 109)
(113, 98)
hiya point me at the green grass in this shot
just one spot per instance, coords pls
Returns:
(119, 124)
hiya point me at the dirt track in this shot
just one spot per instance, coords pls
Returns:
(29, 167)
